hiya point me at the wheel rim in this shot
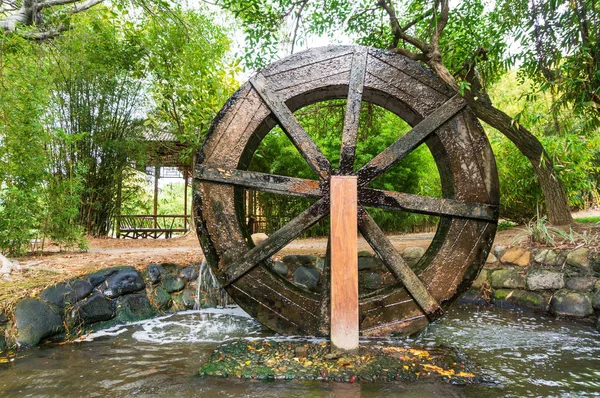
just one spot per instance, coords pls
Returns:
(468, 211)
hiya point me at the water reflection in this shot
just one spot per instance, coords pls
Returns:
(527, 355)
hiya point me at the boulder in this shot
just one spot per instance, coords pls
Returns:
(320, 263)
(95, 308)
(370, 263)
(473, 298)
(482, 279)
(186, 299)
(541, 279)
(304, 260)
(581, 283)
(280, 268)
(35, 321)
(99, 277)
(155, 273)
(173, 284)
(66, 293)
(507, 279)
(134, 307)
(307, 277)
(548, 257)
(370, 280)
(579, 258)
(572, 304)
(259, 238)
(2, 342)
(520, 299)
(189, 273)
(412, 255)
(121, 283)
(596, 301)
(161, 298)
(499, 251)
(491, 259)
(3, 319)
(516, 256)
(365, 253)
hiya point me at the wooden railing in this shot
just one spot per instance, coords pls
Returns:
(137, 226)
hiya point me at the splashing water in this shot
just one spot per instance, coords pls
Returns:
(209, 288)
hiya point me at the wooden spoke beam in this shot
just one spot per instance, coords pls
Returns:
(259, 181)
(426, 205)
(392, 259)
(274, 243)
(409, 141)
(308, 149)
(351, 118)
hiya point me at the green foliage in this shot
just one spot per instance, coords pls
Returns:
(417, 173)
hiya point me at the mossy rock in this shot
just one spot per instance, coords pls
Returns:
(520, 299)
(162, 300)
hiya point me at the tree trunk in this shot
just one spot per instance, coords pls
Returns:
(557, 204)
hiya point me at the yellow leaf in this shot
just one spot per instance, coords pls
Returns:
(248, 362)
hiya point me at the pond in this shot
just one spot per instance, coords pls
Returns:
(523, 354)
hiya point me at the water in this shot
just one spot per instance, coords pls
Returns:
(524, 354)
(209, 287)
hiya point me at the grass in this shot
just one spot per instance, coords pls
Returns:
(588, 220)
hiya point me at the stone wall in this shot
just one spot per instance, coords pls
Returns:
(562, 282)
(99, 300)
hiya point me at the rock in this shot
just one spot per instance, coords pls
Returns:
(3, 319)
(507, 279)
(161, 298)
(491, 259)
(95, 308)
(173, 284)
(548, 257)
(541, 279)
(307, 277)
(371, 281)
(572, 304)
(186, 299)
(320, 263)
(482, 279)
(98, 277)
(189, 273)
(596, 301)
(134, 307)
(595, 261)
(2, 343)
(581, 283)
(121, 283)
(473, 298)
(259, 238)
(579, 258)
(412, 255)
(370, 263)
(520, 299)
(66, 293)
(35, 321)
(516, 256)
(499, 251)
(280, 268)
(301, 351)
(155, 273)
(597, 285)
(364, 253)
(300, 260)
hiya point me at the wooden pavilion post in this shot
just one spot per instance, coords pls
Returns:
(186, 172)
(344, 264)
(156, 177)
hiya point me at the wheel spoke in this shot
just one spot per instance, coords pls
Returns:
(260, 181)
(274, 243)
(351, 119)
(426, 204)
(308, 149)
(409, 141)
(392, 259)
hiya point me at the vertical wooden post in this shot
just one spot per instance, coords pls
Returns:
(344, 264)
(156, 177)
(185, 197)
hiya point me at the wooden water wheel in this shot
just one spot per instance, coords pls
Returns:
(440, 119)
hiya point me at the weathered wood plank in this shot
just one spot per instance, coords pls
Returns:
(392, 259)
(275, 242)
(352, 116)
(409, 141)
(344, 264)
(259, 181)
(306, 146)
(426, 204)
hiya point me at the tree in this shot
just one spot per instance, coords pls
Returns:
(464, 47)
